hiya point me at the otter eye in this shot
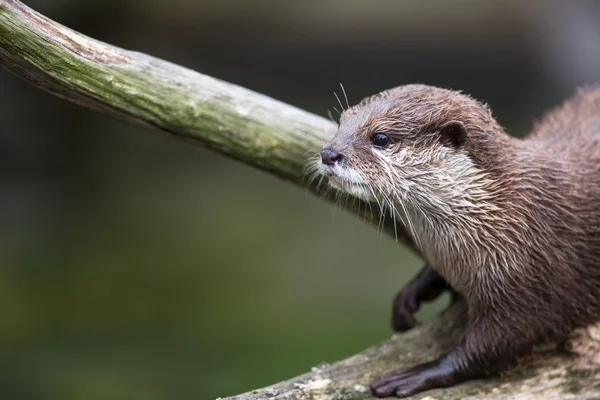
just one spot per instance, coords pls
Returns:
(380, 140)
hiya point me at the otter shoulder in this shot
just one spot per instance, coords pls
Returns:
(571, 129)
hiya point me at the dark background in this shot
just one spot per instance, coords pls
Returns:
(135, 267)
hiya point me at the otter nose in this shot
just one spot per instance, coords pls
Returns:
(330, 157)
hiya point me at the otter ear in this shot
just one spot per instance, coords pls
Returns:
(453, 134)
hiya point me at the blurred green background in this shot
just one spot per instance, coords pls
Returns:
(135, 267)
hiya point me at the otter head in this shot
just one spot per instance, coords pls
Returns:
(417, 145)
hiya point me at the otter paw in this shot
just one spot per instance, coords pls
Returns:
(408, 381)
(405, 305)
(401, 383)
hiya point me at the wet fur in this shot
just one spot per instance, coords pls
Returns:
(511, 224)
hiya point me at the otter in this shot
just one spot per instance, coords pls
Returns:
(511, 225)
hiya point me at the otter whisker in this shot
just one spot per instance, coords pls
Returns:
(338, 195)
(370, 210)
(392, 207)
(346, 197)
(395, 225)
(393, 213)
(382, 218)
(411, 225)
(319, 182)
(311, 179)
(382, 213)
(354, 200)
(311, 173)
(339, 102)
(381, 209)
(341, 199)
(394, 195)
(345, 96)
(311, 167)
(331, 118)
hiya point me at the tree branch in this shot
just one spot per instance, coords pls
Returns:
(166, 98)
(158, 95)
(259, 131)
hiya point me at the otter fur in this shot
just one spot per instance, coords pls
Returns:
(512, 225)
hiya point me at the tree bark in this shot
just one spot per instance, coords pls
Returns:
(262, 132)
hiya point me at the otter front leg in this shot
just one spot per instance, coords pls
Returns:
(426, 286)
(484, 349)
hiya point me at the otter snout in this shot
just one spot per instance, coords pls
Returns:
(330, 156)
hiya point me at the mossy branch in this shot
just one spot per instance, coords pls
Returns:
(265, 133)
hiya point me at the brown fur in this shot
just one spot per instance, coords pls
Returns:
(511, 224)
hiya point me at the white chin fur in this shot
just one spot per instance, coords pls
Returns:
(360, 192)
(347, 181)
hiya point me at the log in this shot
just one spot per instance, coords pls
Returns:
(569, 371)
(259, 131)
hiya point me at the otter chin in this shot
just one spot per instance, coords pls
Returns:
(346, 180)
(512, 225)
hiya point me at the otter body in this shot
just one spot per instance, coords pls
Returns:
(513, 225)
